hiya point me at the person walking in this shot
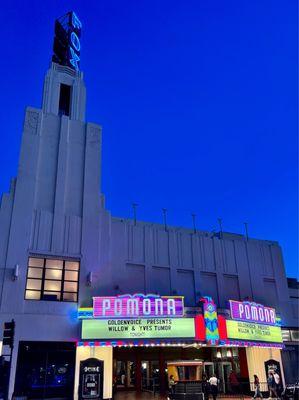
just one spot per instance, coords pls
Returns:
(213, 381)
(257, 388)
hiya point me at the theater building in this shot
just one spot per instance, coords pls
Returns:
(102, 303)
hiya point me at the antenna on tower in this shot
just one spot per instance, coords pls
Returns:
(164, 211)
(194, 222)
(246, 230)
(135, 205)
(220, 227)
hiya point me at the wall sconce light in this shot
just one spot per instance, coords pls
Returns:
(229, 353)
(218, 354)
(15, 272)
(89, 279)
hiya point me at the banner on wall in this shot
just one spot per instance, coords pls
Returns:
(141, 328)
(253, 331)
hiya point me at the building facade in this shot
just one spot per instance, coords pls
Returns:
(60, 247)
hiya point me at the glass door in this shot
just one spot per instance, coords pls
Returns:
(209, 369)
(224, 369)
(125, 374)
(150, 372)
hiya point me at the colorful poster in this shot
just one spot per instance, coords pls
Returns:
(252, 331)
(152, 328)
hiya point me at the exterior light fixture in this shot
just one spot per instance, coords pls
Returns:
(89, 279)
(228, 353)
(15, 273)
(218, 355)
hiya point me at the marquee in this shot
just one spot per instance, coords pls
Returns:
(138, 305)
(252, 312)
(138, 328)
(150, 316)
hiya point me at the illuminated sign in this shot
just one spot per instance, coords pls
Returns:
(156, 328)
(67, 44)
(211, 320)
(253, 331)
(252, 312)
(138, 305)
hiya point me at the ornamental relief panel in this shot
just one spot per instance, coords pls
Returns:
(31, 122)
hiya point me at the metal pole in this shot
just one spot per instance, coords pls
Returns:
(134, 205)
(164, 210)
(194, 222)
(9, 367)
(220, 227)
(246, 230)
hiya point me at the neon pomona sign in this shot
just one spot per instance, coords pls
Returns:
(252, 312)
(138, 305)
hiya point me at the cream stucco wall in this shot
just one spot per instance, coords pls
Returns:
(256, 358)
(101, 353)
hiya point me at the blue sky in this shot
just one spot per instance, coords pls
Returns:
(197, 100)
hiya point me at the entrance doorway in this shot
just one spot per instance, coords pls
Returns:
(125, 374)
(45, 370)
(224, 370)
(148, 368)
(150, 373)
(209, 369)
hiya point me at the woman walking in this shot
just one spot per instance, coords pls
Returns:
(257, 388)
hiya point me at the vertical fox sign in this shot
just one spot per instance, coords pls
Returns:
(211, 320)
(67, 45)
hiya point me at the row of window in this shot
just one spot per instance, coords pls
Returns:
(49, 279)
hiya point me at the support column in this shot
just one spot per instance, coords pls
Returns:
(163, 385)
(138, 372)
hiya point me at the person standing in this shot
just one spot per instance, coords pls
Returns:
(205, 387)
(277, 383)
(234, 382)
(272, 385)
(213, 381)
(172, 384)
(257, 388)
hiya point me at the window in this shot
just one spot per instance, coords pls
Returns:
(51, 279)
(64, 99)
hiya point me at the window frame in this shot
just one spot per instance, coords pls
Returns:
(43, 279)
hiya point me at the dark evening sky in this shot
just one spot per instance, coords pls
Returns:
(197, 100)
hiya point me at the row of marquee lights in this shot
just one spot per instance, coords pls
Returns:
(250, 322)
(120, 343)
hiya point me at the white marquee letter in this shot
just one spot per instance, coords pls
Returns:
(132, 307)
(146, 307)
(118, 307)
(170, 307)
(106, 306)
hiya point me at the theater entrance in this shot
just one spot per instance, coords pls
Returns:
(147, 368)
